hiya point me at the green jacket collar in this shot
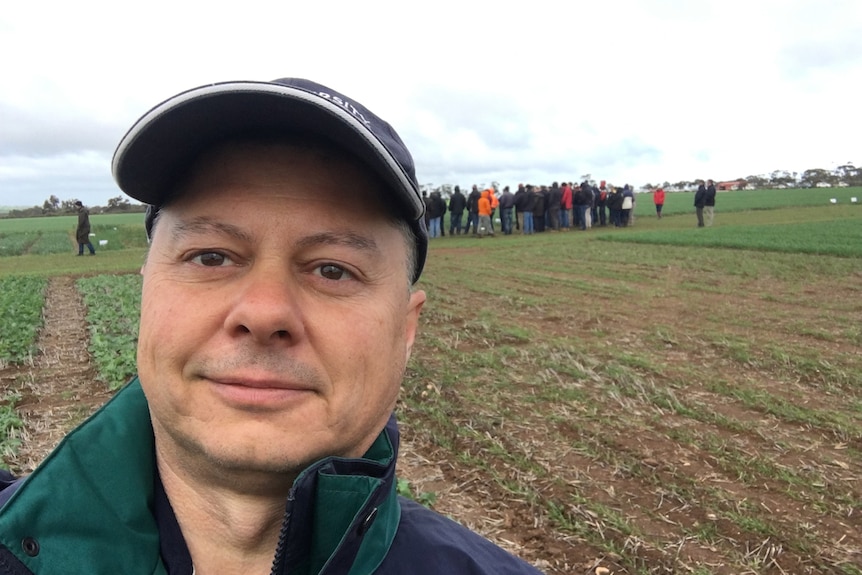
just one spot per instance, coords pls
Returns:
(88, 507)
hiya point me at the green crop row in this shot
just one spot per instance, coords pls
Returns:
(38, 242)
(113, 304)
(21, 301)
(10, 423)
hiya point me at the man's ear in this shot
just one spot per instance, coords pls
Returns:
(414, 307)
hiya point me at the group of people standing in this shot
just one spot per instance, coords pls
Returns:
(557, 207)
(531, 208)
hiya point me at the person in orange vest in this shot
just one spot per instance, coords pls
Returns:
(658, 199)
(495, 202)
(485, 212)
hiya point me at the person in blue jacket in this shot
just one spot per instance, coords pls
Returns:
(278, 313)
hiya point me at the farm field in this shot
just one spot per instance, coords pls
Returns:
(655, 399)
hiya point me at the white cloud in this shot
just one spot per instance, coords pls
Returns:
(627, 90)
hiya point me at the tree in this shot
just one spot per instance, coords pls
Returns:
(849, 174)
(69, 205)
(51, 204)
(118, 203)
(757, 182)
(814, 176)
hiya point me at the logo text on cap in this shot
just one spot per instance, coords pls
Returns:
(347, 106)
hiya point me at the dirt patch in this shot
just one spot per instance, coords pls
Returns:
(60, 389)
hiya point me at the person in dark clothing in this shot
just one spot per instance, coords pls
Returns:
(699, 203)
(520, 201)
(583, 203)
(507, 205)
(435, 209)
(473, 210)
(555, 200)
(615, 205)
(457, 204)
(539, 208)
(709, 203)
(82, 232)
(259, 435)
(601, 204)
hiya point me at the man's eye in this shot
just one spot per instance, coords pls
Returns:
(211, 259)
(333, 272)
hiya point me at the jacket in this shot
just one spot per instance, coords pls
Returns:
(92, 507)
(457, 203)
(436, 207)
(484, 206)
(658, 197)
(473, 201)
(709, 196)
(700, 196)
(82, 232)
(566, 201)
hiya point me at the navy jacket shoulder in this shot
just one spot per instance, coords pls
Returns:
(428, 543)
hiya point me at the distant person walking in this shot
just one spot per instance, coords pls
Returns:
(709, 203)
(699, 203)
(82, 233)
(658, 199)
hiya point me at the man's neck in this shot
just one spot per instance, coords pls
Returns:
(226, 530)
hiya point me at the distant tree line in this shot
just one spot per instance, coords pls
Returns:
(54, 206)
(848, 175)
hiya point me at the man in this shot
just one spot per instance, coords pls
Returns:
(436, 209)
(485, 213)
(82, 232)
(555, 200)
(539, 208)
(521, 198)
(473, 209)
(583, 202)
(457, 203)
(699, 203)
(277, 317)
(507, 204)
(658, 200)
(709, 203)
(601, 204)
(566, 204)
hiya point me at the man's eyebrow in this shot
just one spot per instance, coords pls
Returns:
(205, 225)
(349, 239)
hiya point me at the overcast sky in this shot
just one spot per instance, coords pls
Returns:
(538, 91)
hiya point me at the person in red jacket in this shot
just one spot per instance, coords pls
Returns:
(658, 198)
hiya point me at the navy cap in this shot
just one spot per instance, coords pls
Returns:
(159, 147)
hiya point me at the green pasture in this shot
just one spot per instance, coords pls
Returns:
(56, 234)
(742, 200)
(829, 230)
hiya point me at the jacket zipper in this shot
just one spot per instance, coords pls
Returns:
(278, 566)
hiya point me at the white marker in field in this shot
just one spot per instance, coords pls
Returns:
(833, 201)
(853, 200)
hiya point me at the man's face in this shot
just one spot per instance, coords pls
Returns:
(276, 314)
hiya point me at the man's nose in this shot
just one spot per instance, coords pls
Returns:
(266, 308)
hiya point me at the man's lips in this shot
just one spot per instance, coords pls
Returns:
(259, 392)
